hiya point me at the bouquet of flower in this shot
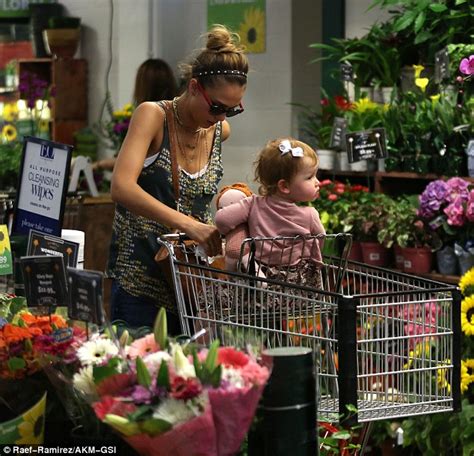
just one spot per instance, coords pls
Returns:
(115, 129)
(448, 207)
(164, 398)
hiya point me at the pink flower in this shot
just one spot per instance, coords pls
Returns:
(143, 346)
(231, 357)
(470, 207)
(467, 65)
(455, 212)
(254, 374)
(108, 404)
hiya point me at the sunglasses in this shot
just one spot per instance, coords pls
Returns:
(217, 110)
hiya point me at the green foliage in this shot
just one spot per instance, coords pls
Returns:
(10, 158)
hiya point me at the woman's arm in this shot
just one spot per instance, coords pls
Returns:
(145, 131)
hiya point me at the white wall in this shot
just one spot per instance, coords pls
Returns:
(359, 19)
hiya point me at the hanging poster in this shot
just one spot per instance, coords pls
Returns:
(6, 265)
(245, 17)
(41, 195)
(18, 8)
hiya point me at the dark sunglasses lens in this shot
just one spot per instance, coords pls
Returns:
(234, 111)
(216, 110)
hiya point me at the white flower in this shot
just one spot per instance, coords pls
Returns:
(83, 381)
(183, 367)
(233, 377)
(174, 411)
(96, 351)
(153, 361)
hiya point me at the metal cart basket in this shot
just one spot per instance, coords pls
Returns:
(384, 341)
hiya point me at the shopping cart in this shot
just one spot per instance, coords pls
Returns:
(384, 341)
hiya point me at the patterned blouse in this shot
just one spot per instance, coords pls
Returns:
(133, 245)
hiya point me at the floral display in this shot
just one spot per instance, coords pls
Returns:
(466, 65)
(166, 398)
(115, 129)
(448, 208)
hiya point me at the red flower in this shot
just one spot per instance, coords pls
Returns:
(108, 404)
(324, 102)
(324, 182)
(185, 389)
(332, 197)
(115, 384)
(231, 357)
(342, 103)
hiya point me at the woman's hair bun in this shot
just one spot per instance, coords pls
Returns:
(221, 39)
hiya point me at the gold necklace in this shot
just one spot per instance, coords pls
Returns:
(178, 119)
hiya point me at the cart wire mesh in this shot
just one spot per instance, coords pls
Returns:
(384, 341)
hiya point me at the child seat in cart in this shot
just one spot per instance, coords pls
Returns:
(384, 341)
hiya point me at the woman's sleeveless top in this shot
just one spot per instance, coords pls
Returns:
(133, 245)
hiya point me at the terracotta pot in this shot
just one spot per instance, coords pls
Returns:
(417, 259)
(375, 254)
(356, 252)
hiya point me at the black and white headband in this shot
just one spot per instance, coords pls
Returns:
(219, 72)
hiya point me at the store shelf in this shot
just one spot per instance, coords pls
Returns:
(451, 279)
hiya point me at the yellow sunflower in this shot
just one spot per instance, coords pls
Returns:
(9, 132)
(441, 375)
(32, 428)
(252, 30)
(4, 244)
(467, 315)
(467, 374)
(10, 112)
(467, 283)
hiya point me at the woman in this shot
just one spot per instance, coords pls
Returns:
(187, 131)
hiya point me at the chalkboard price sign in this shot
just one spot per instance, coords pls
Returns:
(47, 244)
(366, 145)
(338, 134)
(85, 296)
(45, 281)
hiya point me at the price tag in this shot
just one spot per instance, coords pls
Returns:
(45, 244)
(338, 134)
(366, 145)
(85, 296)
(45, 281)
(6, 264)
(347, 72)
(441, 65)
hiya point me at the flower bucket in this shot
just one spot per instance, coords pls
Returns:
(398, 253)
(447, 261)
(356, 252)
(327, 159)
(417, 260)
(27, 428)
(375, 254)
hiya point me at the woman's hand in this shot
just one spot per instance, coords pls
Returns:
(205, 235)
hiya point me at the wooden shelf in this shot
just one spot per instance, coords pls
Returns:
(441, 277)
(403, 175)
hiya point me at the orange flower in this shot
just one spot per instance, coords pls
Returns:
(12, 333)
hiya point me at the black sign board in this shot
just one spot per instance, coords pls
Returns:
(45, 281)
(347, 72)
(85, 296)
(441, 65)
(45, 244)
(338, 134)
(365, 145)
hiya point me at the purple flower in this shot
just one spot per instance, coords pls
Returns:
(455, 212)
(467, 65)
(432, 198)
(141, 395)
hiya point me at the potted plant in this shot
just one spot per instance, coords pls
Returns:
(62, 37)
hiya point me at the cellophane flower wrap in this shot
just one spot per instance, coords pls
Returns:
(170, 399)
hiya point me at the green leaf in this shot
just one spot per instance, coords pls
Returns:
(16, 363)
(102, 372)
(404, 21)
(422, 37)
(438, 7)
(216, 376)
(139, 412)
(211, 358)
(160, 329)
(420, 20)
(155, 426)
(162, 379)
(143, 375)
(342, 435)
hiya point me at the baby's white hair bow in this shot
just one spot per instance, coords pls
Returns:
(285, 147)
